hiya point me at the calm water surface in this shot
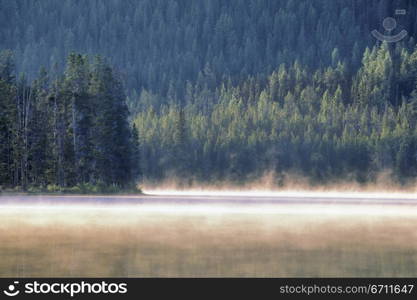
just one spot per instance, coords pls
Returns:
(208, 236)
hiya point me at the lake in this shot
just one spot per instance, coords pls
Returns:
(208, 235)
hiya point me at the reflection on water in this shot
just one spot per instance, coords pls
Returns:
(208, 240)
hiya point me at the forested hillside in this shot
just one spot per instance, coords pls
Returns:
(160, 44)
(323, 124)
(218, 91)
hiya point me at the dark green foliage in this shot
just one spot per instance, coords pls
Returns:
(113, 149)
(136, 157)
(73, 132)
(8, 119)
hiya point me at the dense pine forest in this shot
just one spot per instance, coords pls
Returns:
(205, 91)
(66, 130)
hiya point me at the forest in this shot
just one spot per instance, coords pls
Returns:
(114, 92)
(66, 130)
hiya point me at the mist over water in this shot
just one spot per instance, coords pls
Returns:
(294, 184)
(208, 235)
